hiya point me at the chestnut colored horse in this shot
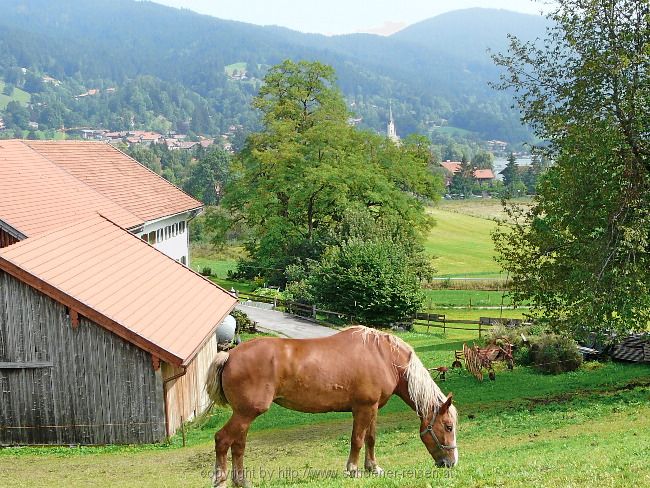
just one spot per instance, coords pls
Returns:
(356, 370)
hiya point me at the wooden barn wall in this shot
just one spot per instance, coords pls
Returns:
(6, 239)
(60, 385)
(186, 396)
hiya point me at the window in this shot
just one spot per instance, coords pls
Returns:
(152, 237)
(182, 227)
(144, 238)
(167, 232)
(175, 229)
(183, 260)
(159, 235)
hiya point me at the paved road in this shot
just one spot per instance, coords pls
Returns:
(285, 324)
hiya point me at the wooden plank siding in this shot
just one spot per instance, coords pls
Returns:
(93, 387)
(6, 239)
(186, 395)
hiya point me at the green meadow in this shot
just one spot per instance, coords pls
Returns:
(18, 96)
(590, 427)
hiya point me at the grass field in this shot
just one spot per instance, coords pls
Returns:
(586, 428)
(462, 245)
(18, 95)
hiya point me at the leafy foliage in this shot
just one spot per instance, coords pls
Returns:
(297, 181)
(369, 281)
(582, 253)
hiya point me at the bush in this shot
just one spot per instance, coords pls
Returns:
(374, 282)
(244, 323)
(551, 353)
(206, 271)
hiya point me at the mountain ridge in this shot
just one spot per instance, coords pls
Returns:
(116, 42)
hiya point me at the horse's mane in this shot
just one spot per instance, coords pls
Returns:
(423, 391)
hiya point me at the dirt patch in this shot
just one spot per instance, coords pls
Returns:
(569, 396)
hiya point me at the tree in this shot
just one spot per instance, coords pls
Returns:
(581, 254)
(208, 177)
(8, 89)
(295, 181)
(462, 181)
(512, 180)
(483, 160)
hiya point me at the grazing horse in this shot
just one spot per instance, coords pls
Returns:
(356, 370)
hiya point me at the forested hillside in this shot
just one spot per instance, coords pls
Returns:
(122, 64)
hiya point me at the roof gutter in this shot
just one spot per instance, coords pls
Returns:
(12, 231)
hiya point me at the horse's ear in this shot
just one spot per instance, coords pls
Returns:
(445, 406)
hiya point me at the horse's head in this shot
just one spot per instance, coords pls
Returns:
(438, 433)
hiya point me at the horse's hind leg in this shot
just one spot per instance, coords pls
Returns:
(238, 446)
(371, 463)
(361, 420)
(230, 436)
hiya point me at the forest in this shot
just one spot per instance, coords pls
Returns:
(138, 65)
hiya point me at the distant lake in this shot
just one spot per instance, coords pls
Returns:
(500, 164)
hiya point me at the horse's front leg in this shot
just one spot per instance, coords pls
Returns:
(361, 420)
(371, 463)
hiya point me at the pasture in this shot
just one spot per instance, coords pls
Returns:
(589, 427)
(460, 242)
(18, 96)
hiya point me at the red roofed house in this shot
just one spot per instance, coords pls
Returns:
(452, 167)
(104, 338)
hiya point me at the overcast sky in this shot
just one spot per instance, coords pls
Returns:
(341, 16)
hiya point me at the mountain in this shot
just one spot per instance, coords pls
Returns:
(468, 34)
(148, 66)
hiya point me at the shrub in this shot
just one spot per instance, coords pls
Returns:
(269, 293)
(551, 353)
(374, 282)
(244, 323)
(206, 271)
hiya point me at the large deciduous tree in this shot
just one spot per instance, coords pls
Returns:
(298, 180)
(582, 253)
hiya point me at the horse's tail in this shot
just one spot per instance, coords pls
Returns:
(213, 381)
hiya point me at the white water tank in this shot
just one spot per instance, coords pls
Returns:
(226, 330)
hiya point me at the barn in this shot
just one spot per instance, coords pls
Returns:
(104, 338)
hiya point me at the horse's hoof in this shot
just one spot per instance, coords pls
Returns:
(353, 472)
(376, 470)
(242, 483)
(219, 483)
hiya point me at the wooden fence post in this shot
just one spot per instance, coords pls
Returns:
(313, 312)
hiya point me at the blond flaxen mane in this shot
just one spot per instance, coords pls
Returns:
(424, 392)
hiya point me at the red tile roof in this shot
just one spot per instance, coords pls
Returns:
(451, 166)
(117, 177)
(37, 195)
(479, 174)
(120, 282)
(483, 174)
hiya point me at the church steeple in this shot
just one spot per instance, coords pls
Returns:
(390, 129)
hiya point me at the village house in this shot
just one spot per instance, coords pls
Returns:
(105, 335)
(453, 167)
